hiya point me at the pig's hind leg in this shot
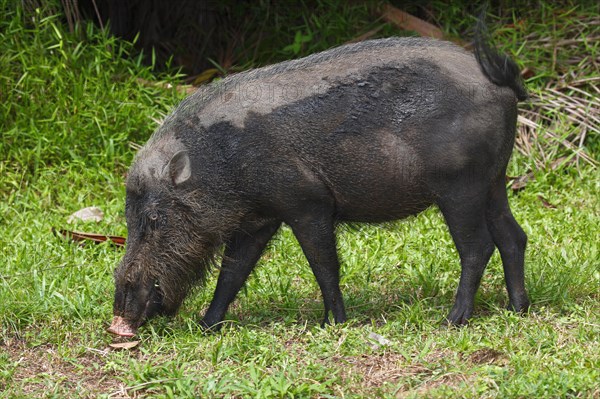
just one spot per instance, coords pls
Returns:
(464, 211)
(316, 234)
(511, 241)
(242, 251)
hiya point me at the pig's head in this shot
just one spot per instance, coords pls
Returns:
(173, 234)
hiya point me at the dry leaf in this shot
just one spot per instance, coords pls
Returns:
(519, 183)
(79, 236)
(366, 35)
(527, 73)
(409, 22)
(205, 76)
(125, 345)
(545, 202)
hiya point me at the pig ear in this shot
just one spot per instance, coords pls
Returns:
(179, 168)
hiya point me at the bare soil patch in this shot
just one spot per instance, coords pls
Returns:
(40, 370)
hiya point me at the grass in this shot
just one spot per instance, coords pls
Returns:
(70, 106)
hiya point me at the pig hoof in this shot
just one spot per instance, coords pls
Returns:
(458, 317)
(210, 327)
(519, 306)
(454, 323)
(326, 322)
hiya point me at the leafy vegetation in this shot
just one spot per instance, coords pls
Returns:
(71, 104)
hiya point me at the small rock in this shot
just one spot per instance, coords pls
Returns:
(379, 339)
(86, 214)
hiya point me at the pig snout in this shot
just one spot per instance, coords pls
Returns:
(121, 327)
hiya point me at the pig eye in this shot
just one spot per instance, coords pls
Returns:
(153, 219)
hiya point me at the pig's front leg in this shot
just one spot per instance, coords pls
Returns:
(315, 233)
(242, 252)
